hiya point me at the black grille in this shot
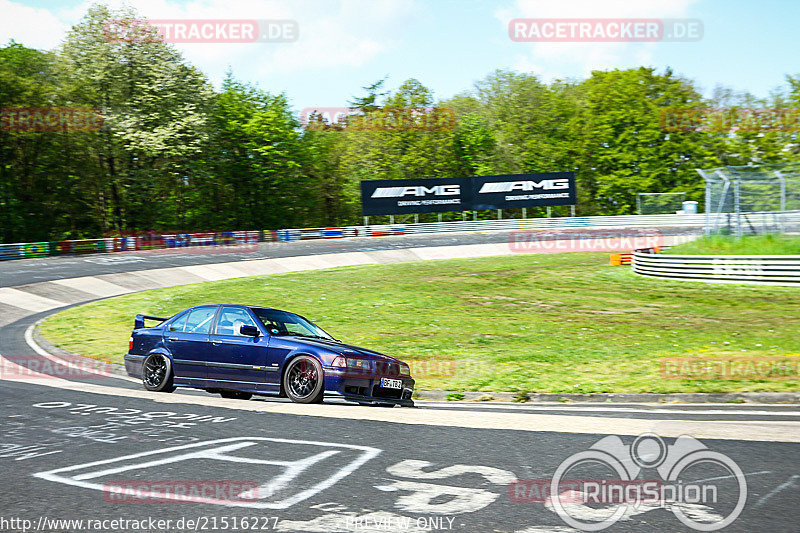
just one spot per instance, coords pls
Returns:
(385, 368)
(381, 392)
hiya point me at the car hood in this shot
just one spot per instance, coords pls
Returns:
(342, 348)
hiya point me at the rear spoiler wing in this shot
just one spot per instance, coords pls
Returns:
(138, 322)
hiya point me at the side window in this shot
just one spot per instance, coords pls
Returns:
(199, 320)
(179, 323)
(230, 319)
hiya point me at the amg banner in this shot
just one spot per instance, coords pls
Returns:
(507, 191)
(394, 197)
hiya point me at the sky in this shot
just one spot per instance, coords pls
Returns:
(448, 45)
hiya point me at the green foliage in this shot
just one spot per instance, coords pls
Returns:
(521, 397)
(561, 323)
(174, 154)
(454, 397)
(748, 245)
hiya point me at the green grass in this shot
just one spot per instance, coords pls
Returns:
(748, 245)
(522, 323)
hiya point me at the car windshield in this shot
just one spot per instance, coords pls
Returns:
(284, 323)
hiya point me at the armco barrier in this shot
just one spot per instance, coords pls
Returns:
(790, 221)
(120, 244)
(310, 233)
(758, 269)
(332, 233)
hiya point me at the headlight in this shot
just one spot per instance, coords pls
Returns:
(405, 370)
(359, 365)
(355, 365)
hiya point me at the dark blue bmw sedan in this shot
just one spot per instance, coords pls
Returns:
(239, 350)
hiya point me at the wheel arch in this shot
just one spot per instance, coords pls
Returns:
(294, 355)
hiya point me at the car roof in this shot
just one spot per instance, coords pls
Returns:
(241, 306)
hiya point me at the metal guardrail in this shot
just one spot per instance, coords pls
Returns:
(137, 243)
(789, 218)
(249, 238)
(758, 269)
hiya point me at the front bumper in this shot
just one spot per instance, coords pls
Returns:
(366, 389)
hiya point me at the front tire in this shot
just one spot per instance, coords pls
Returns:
(157, 373)
(303, 380)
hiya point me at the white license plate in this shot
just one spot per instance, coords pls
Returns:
(391, 383)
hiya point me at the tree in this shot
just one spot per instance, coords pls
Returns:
(155, 108)
(255, 157)
(627, 150)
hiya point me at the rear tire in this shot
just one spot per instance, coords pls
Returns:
(235, 395)
(157, 373)
(303, 380)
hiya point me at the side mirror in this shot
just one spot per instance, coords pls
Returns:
(249, 331)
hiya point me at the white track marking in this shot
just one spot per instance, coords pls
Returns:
(730, 477)
(335, 522)
(214, 272)
(44, 353)
(463, 500)
(783, 486)
(421, 495)
(93, 285)
(548, 529)
(582, 511)
(204, 451)
(28, 301)
(25, 374)
(413, 469)
(610, 409)
(757, 431)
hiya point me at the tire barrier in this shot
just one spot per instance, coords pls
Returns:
(620, 259)
(758, 269)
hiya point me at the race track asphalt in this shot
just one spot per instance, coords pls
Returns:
(337, 467)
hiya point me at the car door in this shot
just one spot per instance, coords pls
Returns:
(188, 341)
(234, 357)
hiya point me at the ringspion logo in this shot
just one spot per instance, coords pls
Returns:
(704, 489)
